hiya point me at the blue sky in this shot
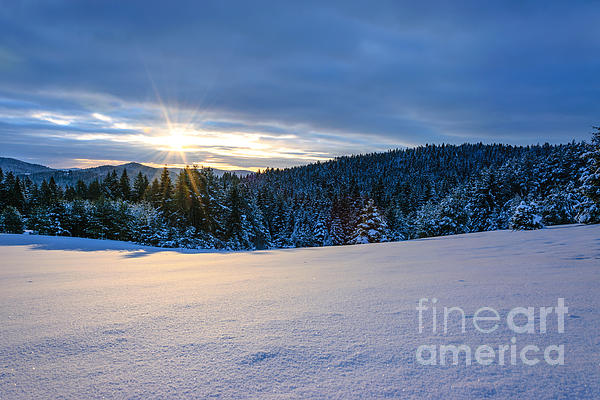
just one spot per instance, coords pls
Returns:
(256, 84)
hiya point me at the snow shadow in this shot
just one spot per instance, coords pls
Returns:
(130, 250)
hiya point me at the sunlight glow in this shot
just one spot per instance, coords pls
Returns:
(170, 135)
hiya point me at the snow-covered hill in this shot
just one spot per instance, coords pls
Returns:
(81, 318)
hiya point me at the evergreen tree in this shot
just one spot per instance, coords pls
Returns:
(77, 220)
(397, 224)
(48, 220)
(280, 225)
(81, 190)
(124, 186)
(153, 195)
(302, 235)
(526, 218)
(94, 191)
(14, 196)
(237, 229)
(70, 193)
(260, 235)
(140, 185)
(372, 227)
(452, 217)
(320, 232)
(110, 186)
(426, 222)
(104, 221)
(559, 207)
(590, 179)
(11, 221)
(55, 191)
(166, 191)
(3, 191)
(191, 200)
(46, 196)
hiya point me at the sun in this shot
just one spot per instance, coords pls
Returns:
(177, 141)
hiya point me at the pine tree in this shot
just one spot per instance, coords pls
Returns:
(526, 217)
(559, 206)
(3, 191)
(372, 227)
(77, 214)
(15, 194)
(320, 233)
(260, 236)
(55, 190)
(70, 193)
(216, 211)
(152, 194)
(425, 222)
(81, 190)
(11, 221)
(46, 196)
(281, 229)
(397, 223)
(94, 191)
(336, 226)
(484, 205)
(48, 220)
(124, 186)
(452, 217)
(140, 185)
(166, 191)
(236, 225)
(191, 200)
(590, 210)
(111, 186)
(302, 235)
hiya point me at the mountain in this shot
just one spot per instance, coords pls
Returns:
(38, 173)
(19, 167)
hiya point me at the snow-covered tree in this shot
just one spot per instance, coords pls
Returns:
(49, 220)
(425, 223)
(302, 235)
(590, 180)
(320, 233)
(559, 207)
(372, 227)
(452, 216)
(526, 217)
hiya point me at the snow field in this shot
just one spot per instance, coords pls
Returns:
(82, 318)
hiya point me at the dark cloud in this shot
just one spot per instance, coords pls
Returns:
(340, 76)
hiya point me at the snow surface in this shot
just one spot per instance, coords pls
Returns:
(82, 318)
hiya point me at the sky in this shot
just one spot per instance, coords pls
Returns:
(255, 84)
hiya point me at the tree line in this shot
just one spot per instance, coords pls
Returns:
(400, 194)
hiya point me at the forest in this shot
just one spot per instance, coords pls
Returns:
(401, 194)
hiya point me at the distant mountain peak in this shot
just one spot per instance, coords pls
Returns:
(21, 167)
(38, 173)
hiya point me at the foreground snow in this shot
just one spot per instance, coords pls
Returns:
(82, 318)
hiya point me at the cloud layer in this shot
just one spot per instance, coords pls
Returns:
(255, 84)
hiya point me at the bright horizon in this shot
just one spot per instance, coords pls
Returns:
(87, 163)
